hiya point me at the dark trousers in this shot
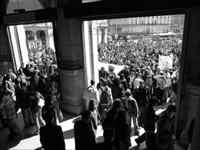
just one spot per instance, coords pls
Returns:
(160, 95)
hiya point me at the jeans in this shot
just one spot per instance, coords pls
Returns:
(14, 130)
(37, 118)
(135, 121)
(27, 115)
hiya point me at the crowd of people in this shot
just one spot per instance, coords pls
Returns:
(35, 92)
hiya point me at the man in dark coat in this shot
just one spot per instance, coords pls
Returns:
(51, 135)
(84, 133)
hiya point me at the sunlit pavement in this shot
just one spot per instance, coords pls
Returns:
(29, 141)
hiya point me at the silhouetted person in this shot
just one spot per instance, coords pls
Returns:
(51, 135)
(84, 133)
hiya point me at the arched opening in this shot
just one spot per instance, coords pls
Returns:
(30, 35)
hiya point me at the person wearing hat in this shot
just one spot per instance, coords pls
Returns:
(165, 128)
(131, 106)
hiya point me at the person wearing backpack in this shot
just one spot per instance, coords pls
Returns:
(106, 98)
(161, 86)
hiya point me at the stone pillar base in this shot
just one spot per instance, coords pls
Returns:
(72, 87)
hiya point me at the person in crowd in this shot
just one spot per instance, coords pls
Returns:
(95, 114)
(122, 131)
(37, 102)
(168, 84)
(130, 81)
(152, 141)
(51, 135)
(41, 86)
(12, 75)
(103, 73)
(141, 96)
(117, 89)
(91, 93)
(111, 113)
(106, 98)
(23, 101)
(190, 132)
(34, 78)
(54, 90)
(7, 108)
(123, 81)
(137, 80)
(8, 85)
(131, 107)
(22, 76)
(174, 90)
(149, 83)
(50, 108)
(125, 72)
(84, 133)
(165, 128)
(149, 118)
(107, 144)
(161, 86)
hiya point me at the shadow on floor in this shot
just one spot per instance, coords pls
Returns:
(69, 134)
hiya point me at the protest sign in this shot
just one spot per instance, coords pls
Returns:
(166, 61)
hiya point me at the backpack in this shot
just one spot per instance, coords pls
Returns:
(104, 99)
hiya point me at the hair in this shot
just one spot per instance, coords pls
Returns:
(116, 104)
(171, 108)
(121, 76)
(104, 82)
(92, 82)
(108, 134)
(116, 81)
(85, 114)
(128, 92)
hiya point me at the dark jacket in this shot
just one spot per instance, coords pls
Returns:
(23, 100)
(165, 129)
(108, 121)
(149, 118)
(84, 136)
(51, 137)
(141, 95)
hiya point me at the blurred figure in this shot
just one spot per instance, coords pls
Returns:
(84, 133)
(165, 128)
(51, 135)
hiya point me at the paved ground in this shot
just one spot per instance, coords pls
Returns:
(29, 142)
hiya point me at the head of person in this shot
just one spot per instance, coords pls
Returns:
(104, 82)
(116, 36)
(109, 134)
(171, 110)
(91, 105)
(109, 38)
(132, 74)
(20, 71)
(102, 68)
(142, 84)
(128, 93)
(49, 117)
(86, 116)
(117, 104)
(92, 82)
(24, 87)
(49, 100)
(116, 81)
(151, 138)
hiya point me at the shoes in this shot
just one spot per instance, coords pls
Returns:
(35, 133)
(137, 141)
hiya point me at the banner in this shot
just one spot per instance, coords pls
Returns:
(166, 61)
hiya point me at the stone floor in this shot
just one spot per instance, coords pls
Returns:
(32, 142)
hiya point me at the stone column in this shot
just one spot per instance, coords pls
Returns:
(71, 63)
